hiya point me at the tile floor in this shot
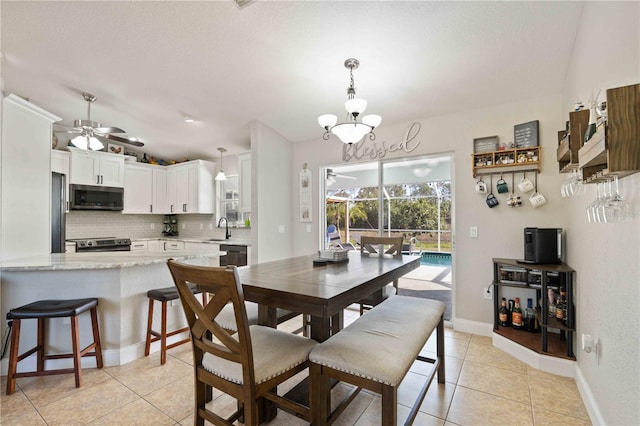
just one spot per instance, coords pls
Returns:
(483, 386)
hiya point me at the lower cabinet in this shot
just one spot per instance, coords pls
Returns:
(552, 290)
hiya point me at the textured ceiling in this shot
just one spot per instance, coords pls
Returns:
(151, 63)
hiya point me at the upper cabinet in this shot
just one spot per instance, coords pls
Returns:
(96, 168)
(138, 188)
(60, 161)
(244, 182)
(615, 148)
(179, 188)
(194, 191)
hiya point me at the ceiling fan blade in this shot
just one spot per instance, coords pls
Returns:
(108, 137)
(109, 130)
(346, 177)
(68, 131)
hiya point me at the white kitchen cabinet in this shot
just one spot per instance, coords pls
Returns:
(140, 246)
(60, 162)
(138, 188)
(244, 182)
(155, 245)
(96, 168)
(25, 169)
(190, 187)
(160, 197)
(173, 245)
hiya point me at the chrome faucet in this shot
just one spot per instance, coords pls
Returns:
(227, 234)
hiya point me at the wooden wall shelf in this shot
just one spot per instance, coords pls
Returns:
(508, 160)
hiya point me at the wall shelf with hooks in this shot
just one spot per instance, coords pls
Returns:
(507, 161)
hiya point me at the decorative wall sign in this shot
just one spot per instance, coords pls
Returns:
(375, 150)
(305, 194)
(525, 135)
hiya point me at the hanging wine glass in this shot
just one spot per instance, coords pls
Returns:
(616, 209)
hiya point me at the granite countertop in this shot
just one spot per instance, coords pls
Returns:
(232, 241)
(101, 260)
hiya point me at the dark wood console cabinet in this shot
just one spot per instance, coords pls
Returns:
(555, 338)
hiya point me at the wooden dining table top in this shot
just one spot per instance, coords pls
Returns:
(322, 291)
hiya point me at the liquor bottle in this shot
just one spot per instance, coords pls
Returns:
(561, 305)
(531, 318)
(516, 316)
(552, 303)
(510, 306)
(144, 159)
(503, 314)
(593, 118)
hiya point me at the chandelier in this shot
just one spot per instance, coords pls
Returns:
(351, 131)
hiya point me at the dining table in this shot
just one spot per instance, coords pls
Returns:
(321, 291)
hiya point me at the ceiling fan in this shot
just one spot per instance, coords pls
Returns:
(331, 177)
(91, 133)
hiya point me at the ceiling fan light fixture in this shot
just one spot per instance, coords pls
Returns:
(80, 142)
(95, 144)
(351, 131)
(221, 176)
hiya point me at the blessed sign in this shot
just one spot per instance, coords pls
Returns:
(373, 150)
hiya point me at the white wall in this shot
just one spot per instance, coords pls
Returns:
(607, 256)
(271, 188)
(501, 228)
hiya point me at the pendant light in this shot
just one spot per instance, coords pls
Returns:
(351, 131)
(221, 175)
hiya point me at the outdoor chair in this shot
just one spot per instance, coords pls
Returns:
(246, 365)
(375, 245)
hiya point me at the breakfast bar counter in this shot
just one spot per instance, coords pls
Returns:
(120, 280)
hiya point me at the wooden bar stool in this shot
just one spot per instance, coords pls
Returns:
(164, 295)
(42, 310)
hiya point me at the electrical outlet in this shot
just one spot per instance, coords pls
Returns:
(210, 226)
(184, 226)
(201, 225)
(488, 293)
(152, 226)
(308, 228)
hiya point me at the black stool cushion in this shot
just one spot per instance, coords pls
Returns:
(169, 293)
(53, 308)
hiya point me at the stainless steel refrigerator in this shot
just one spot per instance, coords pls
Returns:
(58, 212)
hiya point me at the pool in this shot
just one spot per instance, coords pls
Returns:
(436, 259)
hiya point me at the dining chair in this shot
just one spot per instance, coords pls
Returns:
(247, 364)
(380, 245)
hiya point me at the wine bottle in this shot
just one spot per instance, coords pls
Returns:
(593, 119)
(503, 315)
(516, 316)
(552, 303)
(531, 318)
(510, 305)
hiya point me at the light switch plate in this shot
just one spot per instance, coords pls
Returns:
(473, 232)
(281, 229)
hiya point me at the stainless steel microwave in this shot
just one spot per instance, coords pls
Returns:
(90, 197)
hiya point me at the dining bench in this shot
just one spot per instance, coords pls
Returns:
(375, 352)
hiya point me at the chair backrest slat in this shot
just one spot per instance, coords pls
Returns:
(371, 244)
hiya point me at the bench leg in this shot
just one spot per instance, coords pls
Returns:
(319, 395)
(440, 350)
(389, 405)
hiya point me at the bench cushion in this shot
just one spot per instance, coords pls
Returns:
(382, 344)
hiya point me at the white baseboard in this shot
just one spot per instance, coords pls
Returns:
(588, 399)
(473, 327)
(110, 358)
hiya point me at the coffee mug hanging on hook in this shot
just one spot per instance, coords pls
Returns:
(492, 201)
(525, 184)
(537, 199)
(514, 199)
(501, 186)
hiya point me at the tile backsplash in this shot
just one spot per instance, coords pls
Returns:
(90, 224)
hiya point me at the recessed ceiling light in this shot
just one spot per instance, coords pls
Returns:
(188, 119)
(133, 139)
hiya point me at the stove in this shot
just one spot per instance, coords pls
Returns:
(102, 244)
